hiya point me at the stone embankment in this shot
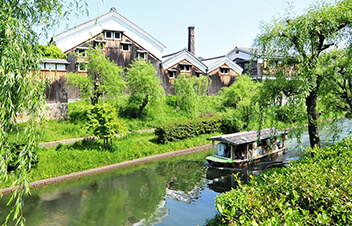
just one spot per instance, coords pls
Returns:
(71, 176)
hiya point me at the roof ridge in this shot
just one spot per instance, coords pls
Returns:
(112, 11)
(213, 58)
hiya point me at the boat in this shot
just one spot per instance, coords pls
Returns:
(238, 150)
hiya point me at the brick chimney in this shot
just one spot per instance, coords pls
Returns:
(191, 44)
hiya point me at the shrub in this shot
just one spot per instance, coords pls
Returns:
(78, 111)
(188, 128)
(310, 192)
(16, 146)
(103, 122)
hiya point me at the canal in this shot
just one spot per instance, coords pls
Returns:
(175, 191)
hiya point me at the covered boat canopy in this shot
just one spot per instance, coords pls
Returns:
(248, 136)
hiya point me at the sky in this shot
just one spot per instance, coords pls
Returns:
(220, 25)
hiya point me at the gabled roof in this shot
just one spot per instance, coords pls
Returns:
(216, 62)
(240, 52)
(248, 136)
(174, 58)
(111, 20)
(240, 49)
(166, 57)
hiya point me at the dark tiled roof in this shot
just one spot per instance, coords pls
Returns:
(54, 61)
(248, 136)
(213, 58)
(172, 54)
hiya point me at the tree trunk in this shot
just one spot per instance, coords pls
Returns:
(145, 102)
(96, 93)
(311, 103)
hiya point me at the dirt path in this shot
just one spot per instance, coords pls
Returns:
(71, 176)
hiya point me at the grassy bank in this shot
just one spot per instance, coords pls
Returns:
(312, 191)
(83, 155)
(74, 127)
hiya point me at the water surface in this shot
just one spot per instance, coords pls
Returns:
(175, 191)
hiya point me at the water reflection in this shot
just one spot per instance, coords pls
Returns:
(224, 179)
(176, 191)
(137, 195)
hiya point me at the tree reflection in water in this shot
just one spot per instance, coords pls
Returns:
(122, 197)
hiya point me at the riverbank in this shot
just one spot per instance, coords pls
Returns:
(53, 180)
(66, 162)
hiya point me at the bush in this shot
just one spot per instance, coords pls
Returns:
(16, 146)
(314, 190)
(78, 111)
(104, 123)
(188, 128)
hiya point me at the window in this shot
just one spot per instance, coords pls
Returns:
(82, 67)
(117, 35)
(185, 68)
(113, 35)
(49, 66)
(224, 71)
(172, 73)
(246, 66)
(42, 66)
(61, 67)
(126, 46)
(142, 55)
(82, 53)
(109, 34)
(99, 44)
(198, 73)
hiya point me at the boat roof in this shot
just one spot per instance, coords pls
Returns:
(248, 136)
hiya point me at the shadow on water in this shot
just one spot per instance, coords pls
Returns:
(224, 179)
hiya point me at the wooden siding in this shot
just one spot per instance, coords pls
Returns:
(113, 51)
(53, 75)
(167, 82)
(219, 80)
(58, 90)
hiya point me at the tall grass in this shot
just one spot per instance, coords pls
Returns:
(88, 154)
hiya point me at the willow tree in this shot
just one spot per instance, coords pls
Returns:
(188, 91)
(337, 92)
(21, 90)
(104, 78)
(292, 49)
(144, 86)
(238, 103)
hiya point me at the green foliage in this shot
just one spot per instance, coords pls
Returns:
(51, 51)
(78, 111)
(12, 159)
(336, 89)
(145, 87)
(313, 190)
(88, 154)
(238, 103)
(103, 122)
(189, 128)
(21, 91)
(188, 91)
(104, 78)
(293, 48)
